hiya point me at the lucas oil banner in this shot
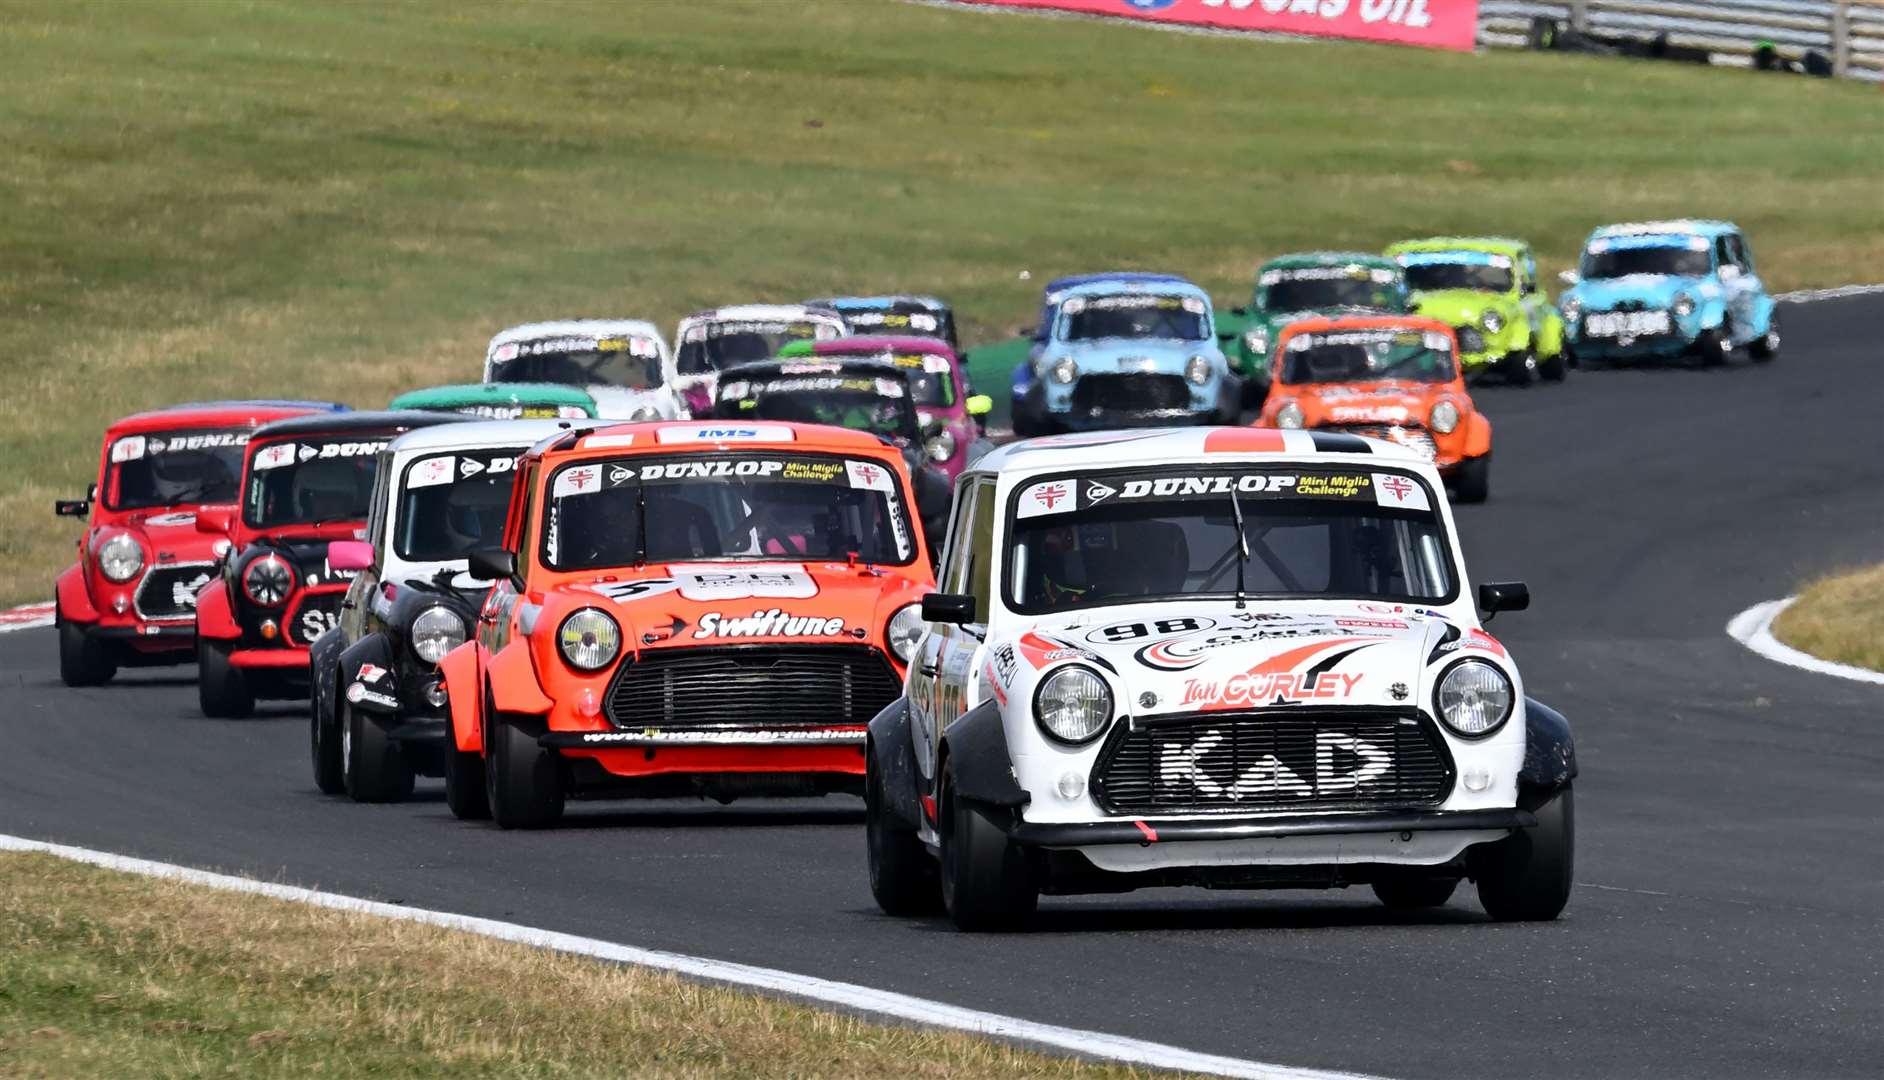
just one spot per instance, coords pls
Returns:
(1434, 24)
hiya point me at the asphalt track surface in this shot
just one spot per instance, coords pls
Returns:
(1729, 913)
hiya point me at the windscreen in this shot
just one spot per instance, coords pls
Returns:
(901, 318)
(823, 394)
(1676, 259)
(628, 361)
(1089, 539)
(794, 507)
(1429, 274)
(1322, 287)
(312, 481)
(451, 504)
(170, 468)
(713, 346)
(1368, 356)
(1135, 315)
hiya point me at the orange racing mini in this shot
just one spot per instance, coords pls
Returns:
(684, 609)
(1392, 377)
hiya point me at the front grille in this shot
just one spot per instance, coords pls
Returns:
(169, 592)
(1412, 436)
(1134, 391)
(1278, 759)
(752, 687)
(314, 615)
(1470, 340)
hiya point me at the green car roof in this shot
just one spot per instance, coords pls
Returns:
(1303, 260)
(500, 400)
(1491, 245)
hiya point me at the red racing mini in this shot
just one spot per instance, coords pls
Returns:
(681, 609)
(305, 482)
(130, 599)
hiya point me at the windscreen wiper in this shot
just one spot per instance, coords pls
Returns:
(641, 525)
(1242, 548)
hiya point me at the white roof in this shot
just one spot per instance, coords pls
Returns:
(1200, 445)
(762, 313)
(1674, 225)
(536, 331)
(485, 434)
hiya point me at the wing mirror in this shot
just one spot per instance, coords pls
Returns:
(1569, 277)
(955, 608)
(77, 508)
(492, 564)
(214, 522)
(979, 405)
(349, 555)
(1497, 596)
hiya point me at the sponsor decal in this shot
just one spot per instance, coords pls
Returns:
(724, 433)
(306, 453)
(1038, 651)
(1372, 624)
(1182, 487)
(1438, 24)
(1003, 665)
(183, 593)
(581, 480)
(370, 673)
(177, 444)
(1398, 691)
(128, 449)
(1097, 492)
(712, 470)
(1364, 414)
(623, 592)
(1340, 763)
(315, 622)
(1252, 688)
(275, 456)
(617, 475)
(1182, 654)
(717, 582)
(432, 472)
(1132, 631)
(869, 475)
(506, 351)
(1048, 497)
(599, 441)
(1479, 639)
(359, 693)
(1399, 492)
(180, 517)
(771, 623)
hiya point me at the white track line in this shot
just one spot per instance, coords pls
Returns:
(1806, 296)
(1754, 629)
(848, 996)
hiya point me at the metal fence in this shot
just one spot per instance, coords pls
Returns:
(1850, 33)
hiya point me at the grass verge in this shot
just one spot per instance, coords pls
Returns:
(344, 200)
(1838, 617)
(110, 974)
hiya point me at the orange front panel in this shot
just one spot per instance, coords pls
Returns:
(654, 761)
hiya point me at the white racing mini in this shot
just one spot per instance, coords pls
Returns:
(1228, 657)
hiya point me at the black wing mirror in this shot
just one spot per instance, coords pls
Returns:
(1496, 596)
(955, 608)
(77, 508)
(491, 564)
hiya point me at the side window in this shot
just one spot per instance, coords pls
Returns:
(383, 481)
(526, 537)
(954, 572)
(1723, 256)
(1742, 257)
(980, 560)
(1527, 271)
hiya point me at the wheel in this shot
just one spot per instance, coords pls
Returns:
(522, 782)
(1520, 368)
(1471, 483)
(464, 785)
(1526, 876)
(324, 744)
(903, 876)
(1714, 346)
(375, 765)
(1025, 426)
(1556, 367)
(221, 688)
(987, 881)
(1410, 893)
(1766, 346)
(82, 661)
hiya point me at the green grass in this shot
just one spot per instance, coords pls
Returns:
(202, 199)
(1839, 617)
(104, 974)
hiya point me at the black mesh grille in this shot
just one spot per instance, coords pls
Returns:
(1412, 436)
(314, 615)
(1313, 759)
(1470, 340)
(169, 592)
(1135, 391)
(752, 686)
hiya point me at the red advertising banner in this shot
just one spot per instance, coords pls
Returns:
(1435, 24)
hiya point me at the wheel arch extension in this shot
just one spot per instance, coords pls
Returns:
(975, 747)
(1550, 750)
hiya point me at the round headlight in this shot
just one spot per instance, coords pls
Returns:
(1445, 417)
(1073, 704)
(120, 557)
(1684, 306)
(903, 631)
(1474, 698)
(1491, 321)
(644, 412)
(1572, 308)
(1257, 342)
(940, 446)
(589, 639)
(1197, 370)
(1064, 370)
(436, 631)
(268, 580)
(1289, 416)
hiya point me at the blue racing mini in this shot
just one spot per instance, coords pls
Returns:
(1668, 288)
(1123, 350)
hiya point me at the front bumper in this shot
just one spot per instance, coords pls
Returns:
(1263, 826)
(1625, 348)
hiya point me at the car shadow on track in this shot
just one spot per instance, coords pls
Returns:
(711, 816)
(1086, 917)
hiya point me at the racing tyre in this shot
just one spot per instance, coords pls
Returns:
(82, 661)
(522, 782)
(1411, 894)
(221, 688)
(1025, 427)
(1713, 346)
(375, 765)
(1526, 876)
(1766, 346)
(1520, 368)
(987, 882)
(1472, 482)
(1555, 368)
(324, 744)
(903, 876)
(464, 785)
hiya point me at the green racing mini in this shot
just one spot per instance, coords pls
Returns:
(1304, 285)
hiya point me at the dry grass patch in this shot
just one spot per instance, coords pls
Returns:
(110, 974)
(1839, 617)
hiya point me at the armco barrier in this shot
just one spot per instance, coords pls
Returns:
(1438, 24)
(1850, 33)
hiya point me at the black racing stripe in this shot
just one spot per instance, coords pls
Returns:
(1315, 673)
(1337, 442)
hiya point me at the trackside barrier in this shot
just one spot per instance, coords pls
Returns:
(1849, 33)
(1435, 24)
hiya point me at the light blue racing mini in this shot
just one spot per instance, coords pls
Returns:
(1668, 288)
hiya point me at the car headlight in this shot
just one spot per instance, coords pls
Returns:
(1572, 308)
(435, 632)
(1064, 370)
(1684, 306)
(120, 557)
(1257, 342)
(1073, 704)
(1445, 417)
(268, 580)
(1197, 370)
(1491, 321)
(589, 639)
(1289, 416)
(940, 446)
(644, 412)
(1474, 698)
(903, 631)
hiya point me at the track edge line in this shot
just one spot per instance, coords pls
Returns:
(1754, 629)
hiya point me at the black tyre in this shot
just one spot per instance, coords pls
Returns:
(1555, 367)
(904, 877)
(464, 785)
(1713, 347)
(1766, 346)
(1411, 894)
(222, 689)
(522, 781)
(324, 741)
(987, 882)
(1471, 483)
(375, 765)
(82, 661)
(1526, 877)
(1519, 368)
(1025, 426)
